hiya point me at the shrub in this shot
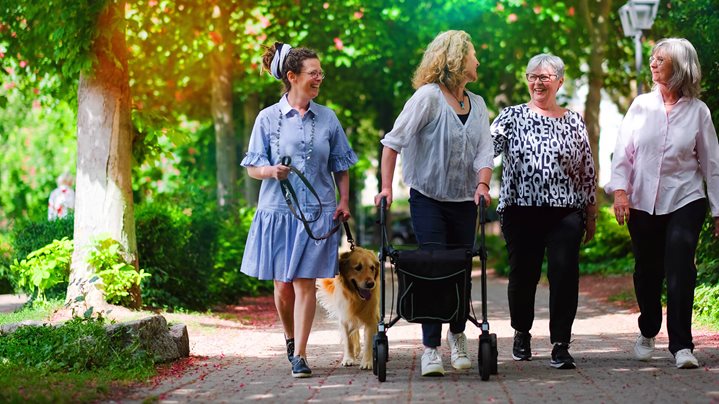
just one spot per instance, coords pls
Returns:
(43, 269)
(177, 249)
(229, 283)
(610, 251)
(31, 235)
(497, 254)
(707, 255)
(118, 277)
(706, 304)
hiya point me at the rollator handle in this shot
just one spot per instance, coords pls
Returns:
(382, 209)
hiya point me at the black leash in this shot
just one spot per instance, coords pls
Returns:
(293, 203)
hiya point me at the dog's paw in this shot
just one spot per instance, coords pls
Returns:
(366, 364)
(348, 362)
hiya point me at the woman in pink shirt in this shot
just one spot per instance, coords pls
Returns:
(667, 149)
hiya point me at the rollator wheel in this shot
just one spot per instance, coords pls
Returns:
(374, 355)
(495, 353)
(485, 359)
(382, 360)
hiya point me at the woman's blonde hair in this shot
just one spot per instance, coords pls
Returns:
(443, 60)
(686, 71)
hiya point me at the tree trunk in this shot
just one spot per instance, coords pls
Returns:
(103, 200)
(225, 144)
(250, 109)
(596, 18)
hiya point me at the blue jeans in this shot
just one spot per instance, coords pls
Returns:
(439, 226)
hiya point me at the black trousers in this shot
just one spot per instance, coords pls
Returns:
(664, 246)
(530, 231)
(438, 226)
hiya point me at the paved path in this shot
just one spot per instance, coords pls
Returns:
(233, 363)
(10, 303)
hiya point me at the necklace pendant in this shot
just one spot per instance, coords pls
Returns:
(461, 104)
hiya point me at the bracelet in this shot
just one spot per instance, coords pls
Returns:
(482, 182)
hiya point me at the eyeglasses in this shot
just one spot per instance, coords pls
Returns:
(315, 74)
(659, 60)
(544, 78)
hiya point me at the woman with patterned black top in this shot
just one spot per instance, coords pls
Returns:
(443, 135)
(546, 202)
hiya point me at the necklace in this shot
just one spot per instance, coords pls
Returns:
(671, 103)
(459, 101)
(312, 137)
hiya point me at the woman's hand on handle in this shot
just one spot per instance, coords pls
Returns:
(387, 193)
(342, 212)
(279, 172)
(482, 190)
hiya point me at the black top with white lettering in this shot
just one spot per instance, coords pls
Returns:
(546, 161)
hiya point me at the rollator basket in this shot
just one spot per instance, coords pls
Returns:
(433, 285)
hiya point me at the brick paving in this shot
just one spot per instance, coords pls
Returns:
(237, 363)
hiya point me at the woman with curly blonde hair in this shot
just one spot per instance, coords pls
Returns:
(443, 135)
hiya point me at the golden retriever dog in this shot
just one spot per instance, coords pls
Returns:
(352, 297)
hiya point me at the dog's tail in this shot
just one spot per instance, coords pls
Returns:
(327, 285)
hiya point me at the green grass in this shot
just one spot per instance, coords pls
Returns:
(36, 385)
(38, 312)
(76, 362)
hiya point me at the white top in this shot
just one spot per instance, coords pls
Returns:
(61, 202)
(441, 156)
(661, 160)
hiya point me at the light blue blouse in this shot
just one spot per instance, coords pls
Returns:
(441, 156)
(278, 246)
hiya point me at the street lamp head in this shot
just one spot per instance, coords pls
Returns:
(637, 15)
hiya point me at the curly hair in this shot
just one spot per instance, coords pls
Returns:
(686, 71)
(443, 60)
(293, 61)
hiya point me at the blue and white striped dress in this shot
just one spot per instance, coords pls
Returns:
(278, 246)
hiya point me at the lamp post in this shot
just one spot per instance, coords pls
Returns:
(638, 15)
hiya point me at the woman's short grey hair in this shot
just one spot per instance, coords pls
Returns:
(686, 71)
(546, 60)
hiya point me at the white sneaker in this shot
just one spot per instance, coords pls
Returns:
(432, 363)
(685, 359)
(458, 345)
(643, 348)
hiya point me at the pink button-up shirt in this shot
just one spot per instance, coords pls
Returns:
(662, 160)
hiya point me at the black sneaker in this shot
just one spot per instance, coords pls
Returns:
(561, 359)
(522, 349)
(300, 368)
(290, 342)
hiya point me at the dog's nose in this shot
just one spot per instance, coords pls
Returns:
(370, 284)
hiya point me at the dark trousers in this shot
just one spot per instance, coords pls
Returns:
(438, 226)
(529, 232)
(664, 246)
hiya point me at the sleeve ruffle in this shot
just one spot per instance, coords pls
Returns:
(342, 162)
(255, 160)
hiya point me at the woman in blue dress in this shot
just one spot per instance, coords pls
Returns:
(278, 245)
